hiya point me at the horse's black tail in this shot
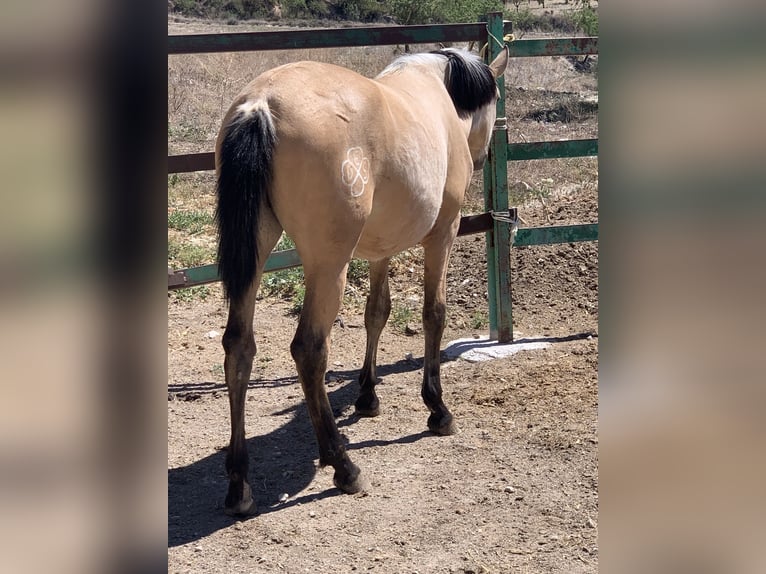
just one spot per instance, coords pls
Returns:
(244, 179)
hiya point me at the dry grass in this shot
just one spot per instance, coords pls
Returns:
(546, 99)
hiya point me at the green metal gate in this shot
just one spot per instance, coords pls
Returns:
(497, 227)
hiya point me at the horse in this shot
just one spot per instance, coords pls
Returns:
(347, 166)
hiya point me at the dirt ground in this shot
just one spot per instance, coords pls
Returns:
(516, 490)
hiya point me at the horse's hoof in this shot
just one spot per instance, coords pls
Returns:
(243, 508)
(352, 485)
(442, 426)
(365, 408)
(367, 412)
(239, 501)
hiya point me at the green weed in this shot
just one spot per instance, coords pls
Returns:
(191, 222)
(183, 255)
(285, 283)
(217, 370)
(186, 132)
(284, 243)
(480, 320)
(198, 293)
(401, 314)
(358, 271)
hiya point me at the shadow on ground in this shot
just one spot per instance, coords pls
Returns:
(283, 461)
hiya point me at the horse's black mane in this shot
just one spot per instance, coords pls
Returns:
(468, 80)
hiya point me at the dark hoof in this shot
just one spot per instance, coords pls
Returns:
(444, 425)
(239, 501)
(366, 407)
(352, 484)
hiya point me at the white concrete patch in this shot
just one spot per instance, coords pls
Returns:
(482, 349)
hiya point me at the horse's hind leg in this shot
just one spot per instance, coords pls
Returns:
(436, 256)
(324, 289)
(239, 345)
(375, 316)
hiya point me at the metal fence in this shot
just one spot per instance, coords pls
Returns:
(498, 230)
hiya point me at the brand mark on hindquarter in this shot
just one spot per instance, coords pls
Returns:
(355, 171)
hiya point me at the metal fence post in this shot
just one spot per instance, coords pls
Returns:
(496, 199)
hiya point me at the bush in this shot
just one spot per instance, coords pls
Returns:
(467, 10)
(405, 12)
(356, 10)
(586, 19)
(408, 12)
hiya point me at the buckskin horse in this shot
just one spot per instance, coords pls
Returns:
(348, 167)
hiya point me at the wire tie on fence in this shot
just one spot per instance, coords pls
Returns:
(507, 39)
(505, 216)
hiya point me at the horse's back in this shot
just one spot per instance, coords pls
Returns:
(355, 154)
(315, 101)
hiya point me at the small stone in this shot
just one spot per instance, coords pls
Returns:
(283, 497)
(312, 514)
(590, 523)
(198, 548)
(509, 489)
(410, 329)
(212, 334)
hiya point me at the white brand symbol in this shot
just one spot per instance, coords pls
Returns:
(355, 171)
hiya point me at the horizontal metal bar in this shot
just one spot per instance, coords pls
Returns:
(191, 162)
(282, 260)
(556, 234)
(327, 38)
(201, 275)
(469, 224)
(176, 279)
(552, 149)
(209, 273)
(516, 151)
(554, 47)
